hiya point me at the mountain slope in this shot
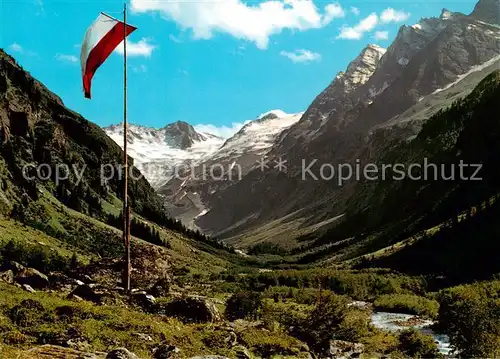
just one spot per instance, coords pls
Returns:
(437, 52)
(462, 212)
(189, 193)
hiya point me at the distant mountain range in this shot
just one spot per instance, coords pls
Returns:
(179, 148)
(384, 95)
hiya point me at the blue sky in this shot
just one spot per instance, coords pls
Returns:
(212, 62)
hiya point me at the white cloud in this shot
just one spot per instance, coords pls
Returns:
(357, 32)
(15, 47)
(301, 55)
(381, 35)
(220, 131)
(66, 58)
(355, 10)
(332, 11)
(370, 23)
(141, 48)
(391, 15)
(255, 23)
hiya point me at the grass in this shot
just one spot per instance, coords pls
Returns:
(104, 327)
(25, 235)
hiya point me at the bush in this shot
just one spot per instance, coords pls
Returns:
(38, 257)
(244, 304)
(381, 342)
(416, 344)
(27, 313)
(471, 316)
(14, 338)
(324, 320)
(267, 346)
(301, 296)
(359, 285)
(354, 326)
(406, 303)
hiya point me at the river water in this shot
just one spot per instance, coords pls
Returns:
(394, 322)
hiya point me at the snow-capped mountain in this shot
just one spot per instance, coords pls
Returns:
(257, 136)
(156, 152)
(233, 160)
(393, 87)
(162, 153)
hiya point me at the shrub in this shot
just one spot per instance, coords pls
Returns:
(267, 346)
(471, 314)
(244, 304)
(324, 320)
(406, 303)
(380, 342)
(27, 313)
(15, 338)
(416, 344)
(354, 326)
(359, 285)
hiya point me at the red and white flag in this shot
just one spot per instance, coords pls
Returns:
(101, 38)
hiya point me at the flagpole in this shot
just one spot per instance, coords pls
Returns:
(126, 206)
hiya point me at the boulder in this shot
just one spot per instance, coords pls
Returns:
(143, 337)
(343, 349)
(161, 288)
(144, 300)
(15, 267)
(242, 352)
(28, 288)
(7, 276)
(85, 292)
(190, 310)
(33, 278)
(166, 351)
(54, 351)
(121, 353)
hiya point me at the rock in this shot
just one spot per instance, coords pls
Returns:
(33, 278)
(121, 353)
(143, 337)
(190, 310)
(52, 351)
(7, 276)
(78, 344)
(85, 292)
(28, 288)
(86, 278)
(242, 352)
(144, 300)
(361, 305)
(15, 267)
(161, 288)
(343, 349)
(166, 351)
(231, 339)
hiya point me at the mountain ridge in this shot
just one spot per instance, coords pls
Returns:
(335, 131)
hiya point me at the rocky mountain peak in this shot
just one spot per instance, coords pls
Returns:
(181, 134)
(487, 11)
(269, 116)
(272, 114)
(362, 67)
